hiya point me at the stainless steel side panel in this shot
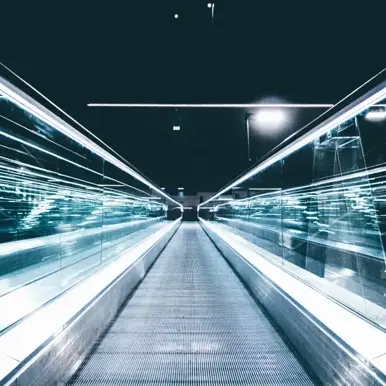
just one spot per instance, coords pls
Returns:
(56, 363)
(327, 357)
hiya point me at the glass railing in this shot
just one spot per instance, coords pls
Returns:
(68, 206)
(316, 206)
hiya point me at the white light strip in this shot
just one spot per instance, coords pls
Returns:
(33, 107)
(310, 293)
(345, 177)
(318, 131)
(326, 191)
(23, 245)
(30, 144)
(59, 109)
(86, 184)
(43, 324)
(214, 105)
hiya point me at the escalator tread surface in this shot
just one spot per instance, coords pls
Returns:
(191, 321)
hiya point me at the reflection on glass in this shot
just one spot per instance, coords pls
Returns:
(64, 212)
(321, 212)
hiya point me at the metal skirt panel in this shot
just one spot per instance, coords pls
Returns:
(56, 362)
(328, 357)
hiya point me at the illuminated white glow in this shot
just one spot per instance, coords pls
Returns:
(176, 128)
(79, 193)
(270, 117)
(307, 291)
(209, 5)
(376, 115)
(62, 111)
(180, 188)
(28, 143)
(24, 245)
(214, 105)
(39, 327)
(28, 104)
(111, 185)
(176, 16)
(337, 119)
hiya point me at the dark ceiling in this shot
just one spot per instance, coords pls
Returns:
(77, 52)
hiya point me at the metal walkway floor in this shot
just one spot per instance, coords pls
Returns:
(191, 321)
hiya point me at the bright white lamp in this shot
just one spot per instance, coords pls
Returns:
(376, 115)
(270, 117)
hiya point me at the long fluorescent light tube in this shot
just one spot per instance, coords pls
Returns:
(27, 103)
(214, 105)
(318, 131)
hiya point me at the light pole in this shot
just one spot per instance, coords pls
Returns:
(268, 120)
(247, 116)
(211, 7)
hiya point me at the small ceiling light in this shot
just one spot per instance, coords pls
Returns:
(376, 115)
(176, 16)
(162, 188)
(209, 5)
(176, 121)
(180, 188)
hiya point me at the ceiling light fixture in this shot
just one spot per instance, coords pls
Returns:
(270, 117)
(376, 115)
(214, 105)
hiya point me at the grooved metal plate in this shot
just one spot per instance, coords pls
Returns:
(191, 321)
